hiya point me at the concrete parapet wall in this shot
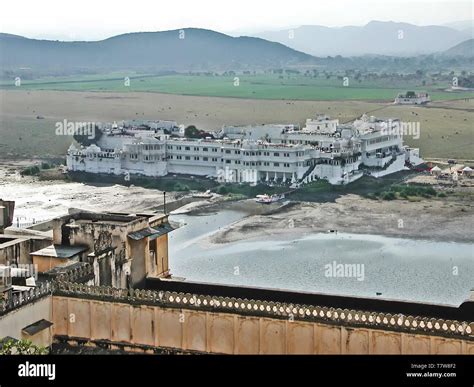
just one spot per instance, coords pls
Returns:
(223, 325)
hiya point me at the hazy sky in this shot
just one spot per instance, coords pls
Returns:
(97, 19)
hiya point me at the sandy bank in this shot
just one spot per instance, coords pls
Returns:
(449, 219)
(42, 200)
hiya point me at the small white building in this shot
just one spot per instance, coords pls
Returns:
(412, 98)
(435, 171)
(467, 171)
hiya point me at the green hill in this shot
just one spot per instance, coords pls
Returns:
(177, 50)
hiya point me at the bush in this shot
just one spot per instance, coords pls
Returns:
(85, 140)
(181, 187)
(430, 191)
(31, 171)
(191, 132)
(404, 194)
(222, 190)
(413, 190)
(46, 166)
(389, 196)
(22, 347)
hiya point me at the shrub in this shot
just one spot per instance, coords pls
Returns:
(181, 187)
(31, 171)
(22, 347)
(222, 190)
(430, 191)
(389, 195)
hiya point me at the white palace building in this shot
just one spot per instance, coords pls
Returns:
(272, 154)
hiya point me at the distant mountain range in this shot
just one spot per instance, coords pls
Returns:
(193, 49)
(379, 38)
(465, 48)
(466, 26)
(178, 50)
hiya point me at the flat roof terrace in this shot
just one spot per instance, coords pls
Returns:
(101, 221)
(101, 218)
(60, 251)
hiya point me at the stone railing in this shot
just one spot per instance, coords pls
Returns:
(311, 313)
(80, 273)
(25, 297)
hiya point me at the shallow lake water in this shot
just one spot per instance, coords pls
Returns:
(345, 264)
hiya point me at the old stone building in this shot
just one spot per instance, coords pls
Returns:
(123, 249)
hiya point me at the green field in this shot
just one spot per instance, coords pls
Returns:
(268, 86)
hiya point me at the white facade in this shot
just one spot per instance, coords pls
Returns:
(321, 124)
(412, 99)
(280, 154)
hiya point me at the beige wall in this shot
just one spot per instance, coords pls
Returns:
(139, 252)
(14, 321)
(162, 255)
(43, 338)
(43, 264)
(157, 263)
(218, 332)
(18, 250)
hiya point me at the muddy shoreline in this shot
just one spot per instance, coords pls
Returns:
(447, 220)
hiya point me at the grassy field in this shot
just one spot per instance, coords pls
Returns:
(268, 86)
(25, 137)
(446, 127)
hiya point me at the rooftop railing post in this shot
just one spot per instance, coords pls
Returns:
(164, 202)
